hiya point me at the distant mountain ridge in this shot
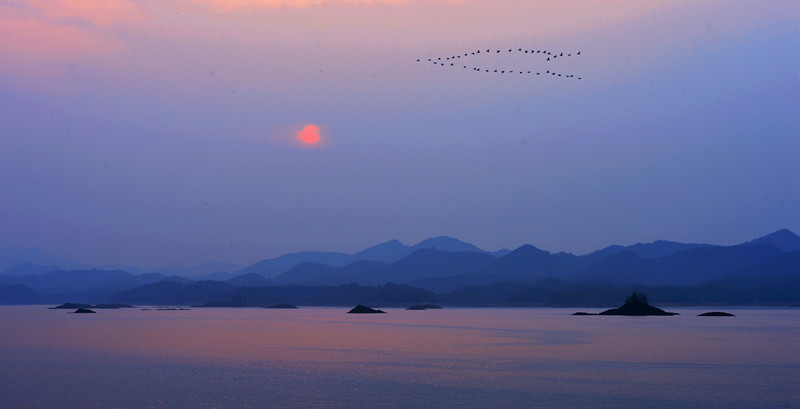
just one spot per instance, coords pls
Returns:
(457, 272)
(387, 252)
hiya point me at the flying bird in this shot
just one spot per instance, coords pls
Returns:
(551, 55)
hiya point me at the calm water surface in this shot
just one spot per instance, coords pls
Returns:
(459, 358)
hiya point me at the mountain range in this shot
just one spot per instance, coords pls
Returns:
(765, 270)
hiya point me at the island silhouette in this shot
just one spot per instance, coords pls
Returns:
(363, 309)
(635, 305)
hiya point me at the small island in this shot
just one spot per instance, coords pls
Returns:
(635, 305)
(422, 307)
(72, 306)
(84, 311)
(716, 314)
(363, 309)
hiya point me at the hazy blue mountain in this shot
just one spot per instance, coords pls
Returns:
(453, 245)
(423, 263)
(620, 268)
(11, 256)
(451, 283)
(689, 267)
(172, 293)
(249, 280)
(197, 272)
(445, 243)
(783, 239)
(388, 252)
(526, 264)
(81, 285)
(656, 249)
(218, 276)
(785, 264)
(361, 272)
(19, 294)
(440, 265)
(530, 264)
(30, 269)
(436, 262)
(272, 267)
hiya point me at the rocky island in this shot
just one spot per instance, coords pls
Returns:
(635, 305)
(363, 309)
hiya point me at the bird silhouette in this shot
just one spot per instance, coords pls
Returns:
(551, 55)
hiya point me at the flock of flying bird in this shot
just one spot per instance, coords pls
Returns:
(549, 55)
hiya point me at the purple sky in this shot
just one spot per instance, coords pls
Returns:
(160, 132)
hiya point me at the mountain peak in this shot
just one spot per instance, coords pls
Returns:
(783, 239)
(446, 243)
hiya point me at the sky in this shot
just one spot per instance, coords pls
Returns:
(154, 132)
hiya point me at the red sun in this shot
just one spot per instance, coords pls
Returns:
(309, 135)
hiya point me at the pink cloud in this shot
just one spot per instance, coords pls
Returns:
(100, 12)
(38, 41)
(226, 6)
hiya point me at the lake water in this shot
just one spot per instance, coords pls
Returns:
(450, 358)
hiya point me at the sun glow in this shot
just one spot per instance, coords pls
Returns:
(309, 135)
